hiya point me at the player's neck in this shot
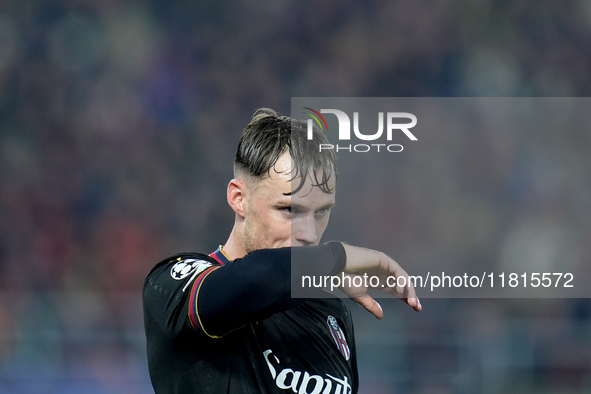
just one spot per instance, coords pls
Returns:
(233, 247)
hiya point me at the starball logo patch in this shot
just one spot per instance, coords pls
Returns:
(390, 125)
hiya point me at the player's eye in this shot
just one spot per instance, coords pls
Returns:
(322, 212)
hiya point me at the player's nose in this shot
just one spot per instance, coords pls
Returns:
(304, 231)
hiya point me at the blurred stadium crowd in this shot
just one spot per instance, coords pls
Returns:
(118, 124)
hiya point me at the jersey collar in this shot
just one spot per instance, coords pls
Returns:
(219, 255)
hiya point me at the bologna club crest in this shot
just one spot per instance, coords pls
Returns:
(339, 337)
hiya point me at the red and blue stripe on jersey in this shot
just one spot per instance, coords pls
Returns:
(194, 318)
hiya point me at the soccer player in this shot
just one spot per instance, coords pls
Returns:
(227, 322)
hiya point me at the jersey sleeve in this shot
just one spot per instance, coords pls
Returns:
(257, 285)
(167, 290)
(195, 292)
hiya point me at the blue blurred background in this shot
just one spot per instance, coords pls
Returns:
(118, 124)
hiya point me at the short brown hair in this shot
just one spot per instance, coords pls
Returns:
(269, 135)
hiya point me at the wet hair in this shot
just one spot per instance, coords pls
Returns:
(269, 135)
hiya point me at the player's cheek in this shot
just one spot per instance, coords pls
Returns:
(287, 232)
(321, 225)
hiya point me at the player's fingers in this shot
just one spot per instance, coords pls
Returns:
(405, 293)
(410, 296)
(371, 305)
(414, 303)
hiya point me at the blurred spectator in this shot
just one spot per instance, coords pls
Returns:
(116, 118)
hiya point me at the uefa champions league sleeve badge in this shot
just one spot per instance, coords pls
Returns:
(184, 268)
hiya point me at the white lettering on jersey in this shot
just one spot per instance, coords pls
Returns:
(303, 382)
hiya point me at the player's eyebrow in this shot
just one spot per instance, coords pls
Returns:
(283, 202)
(303, 207)
(327, 206)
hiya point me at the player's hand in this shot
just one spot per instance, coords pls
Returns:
(366, 263)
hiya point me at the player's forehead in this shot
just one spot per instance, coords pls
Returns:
(284, 168)
(312, 197)
(285, 171)
(284, 178)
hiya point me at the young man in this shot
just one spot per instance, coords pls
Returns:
(227, 322)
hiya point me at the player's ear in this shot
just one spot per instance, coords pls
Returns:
(235, 195)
